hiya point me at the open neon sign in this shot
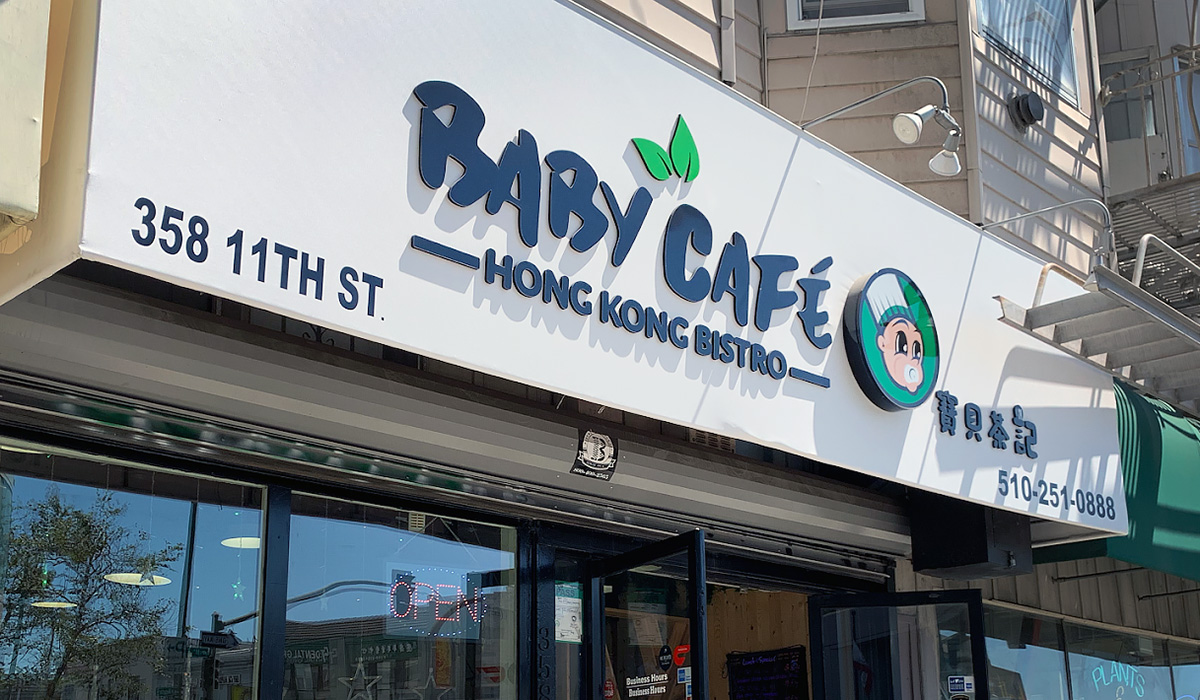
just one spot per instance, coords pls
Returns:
(436, 602)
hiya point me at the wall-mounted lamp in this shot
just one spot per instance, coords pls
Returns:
(907, 126)
(1105, 252)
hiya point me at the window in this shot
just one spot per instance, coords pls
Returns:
(392, 605)
(1025, 656)
(803, 14)
(1107, 665)
(112, 576)
(1185, 665)
(1038, 35)
(1130, 112)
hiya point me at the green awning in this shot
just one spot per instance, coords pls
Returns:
(1160, 457)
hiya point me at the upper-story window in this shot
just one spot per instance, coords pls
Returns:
(1038, 35)
(804, 14)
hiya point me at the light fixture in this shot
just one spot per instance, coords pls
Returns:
(134, 579)
(242, 542)
(907, 126)
(1105, 251)
(945, 162)
(53, 604)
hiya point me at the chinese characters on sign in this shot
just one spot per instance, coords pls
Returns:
(1024, 435)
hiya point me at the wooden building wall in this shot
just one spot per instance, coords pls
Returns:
(751, 620)
(692, 31)
(1056, 160)
(857, 62)
(1099, 590)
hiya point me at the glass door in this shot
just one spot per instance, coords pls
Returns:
(898, 646)
(645, 623)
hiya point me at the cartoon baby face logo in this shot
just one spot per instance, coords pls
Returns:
(891, 340)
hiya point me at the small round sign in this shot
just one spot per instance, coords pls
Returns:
(891, 340)
(664, 657)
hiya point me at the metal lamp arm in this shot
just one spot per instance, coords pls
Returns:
(1106, 251)
(944, 111)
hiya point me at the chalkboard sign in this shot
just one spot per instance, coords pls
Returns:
(780, 674)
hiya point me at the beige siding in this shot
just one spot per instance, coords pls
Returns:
(691, 30)
(1092, 590)
(855, 63)
(1056, 160)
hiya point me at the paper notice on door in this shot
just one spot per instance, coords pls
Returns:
(568, 613)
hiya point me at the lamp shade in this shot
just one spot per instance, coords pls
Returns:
(945, 163)
(907, 127)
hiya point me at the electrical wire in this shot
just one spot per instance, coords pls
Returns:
(816, 50)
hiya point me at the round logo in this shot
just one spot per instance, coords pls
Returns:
(664, 657)
(891, 340)
(596, 451)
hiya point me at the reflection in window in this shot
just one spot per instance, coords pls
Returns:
(1037, 34)
(1107, 665)
(110, 573)
(1025, 656)
(829, 9)
(1130, 112)
(1185, 665)
(387, 604)
(646, 618)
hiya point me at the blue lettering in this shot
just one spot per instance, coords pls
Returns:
(555, 288)
(534, 287)
(727, 354)
(776, 364)
(458, 139)
(575, 198)
(704, 340)
(770, 297)
(579, 301)
(315, 275)
(632, 316)
(519, 166)
(628, 223)
(758, 358)
(504, 270)
(733, 277)
(742, 346)
(656, 324)
(373, 283)
(686, 226)
(608, 309)
(286, 255)
(674, 329)
(349, 298)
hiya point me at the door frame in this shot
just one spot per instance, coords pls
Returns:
(593, 585)
(972, 598)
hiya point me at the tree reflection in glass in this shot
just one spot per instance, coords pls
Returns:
(69, 624)
(110, 573)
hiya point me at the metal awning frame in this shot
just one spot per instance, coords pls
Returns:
(1122, 329)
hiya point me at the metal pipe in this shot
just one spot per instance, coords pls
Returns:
(1105, 252)
(1162, 245)
(879, 95)
(1046, 270)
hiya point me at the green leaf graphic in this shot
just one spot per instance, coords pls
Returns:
(654, 157)
(683, 152)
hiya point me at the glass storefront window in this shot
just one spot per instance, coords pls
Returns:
(111, 573)
(1185, 665)
(1108, 665)
(1025, 656)
(385, 603)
